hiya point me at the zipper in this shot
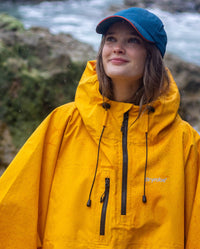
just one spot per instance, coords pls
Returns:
(124, 130)
(104, 199)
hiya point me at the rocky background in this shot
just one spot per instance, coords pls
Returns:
(40, 71)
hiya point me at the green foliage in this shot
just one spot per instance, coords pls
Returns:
(10, 23)
(28, 94)
(34, 78)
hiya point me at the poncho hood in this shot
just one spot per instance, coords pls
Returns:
(89, 103)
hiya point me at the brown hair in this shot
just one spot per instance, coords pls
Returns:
(155, 80)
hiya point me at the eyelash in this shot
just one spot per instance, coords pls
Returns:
(110, 38)
(131, 40)
(134, 40)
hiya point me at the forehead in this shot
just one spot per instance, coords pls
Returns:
(121, 27)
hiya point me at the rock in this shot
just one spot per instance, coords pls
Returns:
(166, 5)
(7, 149)
(187, 77)
(46, 46)
(186, 74)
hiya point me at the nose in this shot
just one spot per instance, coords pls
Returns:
(118, 48)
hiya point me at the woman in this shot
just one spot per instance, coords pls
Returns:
(117, 168)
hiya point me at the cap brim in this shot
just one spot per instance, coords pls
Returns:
(103, 26)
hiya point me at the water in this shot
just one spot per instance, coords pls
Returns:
(183, 31)
(79, 18)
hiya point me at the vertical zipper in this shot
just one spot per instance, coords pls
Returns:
(104, 199)
(124, 130)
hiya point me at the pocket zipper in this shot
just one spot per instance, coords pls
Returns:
(104, 199)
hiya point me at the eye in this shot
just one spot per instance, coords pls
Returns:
(110, 39)
(134, 40)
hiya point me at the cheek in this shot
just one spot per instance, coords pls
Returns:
(104, 53)
(104, 58)
(142, 59)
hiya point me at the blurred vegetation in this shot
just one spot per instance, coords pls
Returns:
(28, 92)
(9, 23)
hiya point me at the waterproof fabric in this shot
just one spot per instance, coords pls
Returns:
(44, 192)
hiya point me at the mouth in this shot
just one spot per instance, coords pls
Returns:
(118, 61)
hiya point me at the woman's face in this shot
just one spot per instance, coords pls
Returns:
(123, 54)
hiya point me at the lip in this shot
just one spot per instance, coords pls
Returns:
(118, 61)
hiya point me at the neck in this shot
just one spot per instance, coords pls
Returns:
(124, 91)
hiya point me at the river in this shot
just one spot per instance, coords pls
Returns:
(79, 18)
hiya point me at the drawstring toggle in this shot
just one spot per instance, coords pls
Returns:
(89, 203)
(144, 199)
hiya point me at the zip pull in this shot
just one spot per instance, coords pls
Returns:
(104, 199)
(107, 185)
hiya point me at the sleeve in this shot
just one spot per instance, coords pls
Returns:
(26, 184)
(192, 196)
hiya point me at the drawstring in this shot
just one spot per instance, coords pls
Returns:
(144, 198)
(89, 200)
(105, 106)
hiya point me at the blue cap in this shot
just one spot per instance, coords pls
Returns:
(147, 24)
